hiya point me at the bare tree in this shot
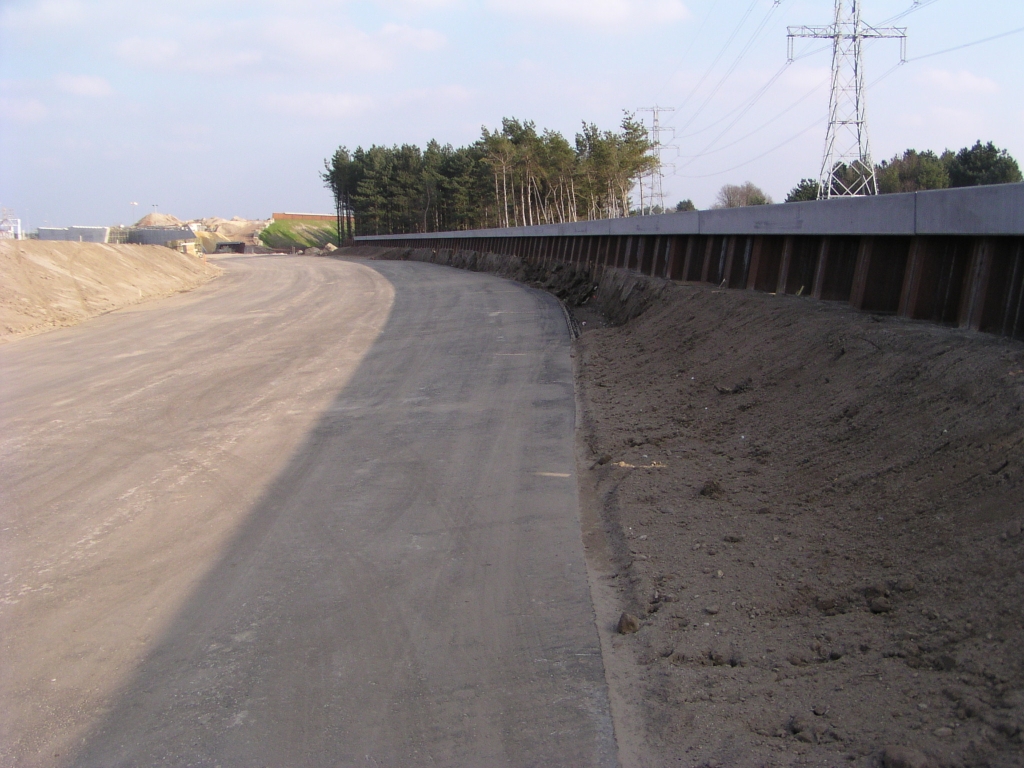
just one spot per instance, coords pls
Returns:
(740, 195)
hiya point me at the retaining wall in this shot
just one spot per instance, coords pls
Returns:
(954, 257)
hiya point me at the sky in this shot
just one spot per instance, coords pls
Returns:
(228, 108)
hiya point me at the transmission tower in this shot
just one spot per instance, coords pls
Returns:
(653, 183)
(846, 168)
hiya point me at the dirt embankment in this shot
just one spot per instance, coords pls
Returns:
(45, 285)
(813, 514)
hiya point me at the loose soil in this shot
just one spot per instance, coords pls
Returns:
(803, 524)
(48, 284)
(815, 517)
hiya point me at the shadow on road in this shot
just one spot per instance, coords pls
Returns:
(411, 589)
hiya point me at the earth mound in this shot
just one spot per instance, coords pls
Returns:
(48, 284)
(815, 515)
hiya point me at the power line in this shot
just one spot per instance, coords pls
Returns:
(735, 63)
(721, 53)
(918, 5)
(690, 47)
(791, 139)
(763, 125)
(815, 124)
(968, 45)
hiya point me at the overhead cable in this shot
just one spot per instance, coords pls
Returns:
(780, 145)
(968, 45)
(732, 67)
(718, 58)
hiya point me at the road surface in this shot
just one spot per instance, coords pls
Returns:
(314, 513)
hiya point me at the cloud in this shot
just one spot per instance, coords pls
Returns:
(169, 54)
(424, 40)
(23, 110)
(84, 85)
(323, 106)
(42, 15)
(597, 12)
(281, 46)
(959, 82)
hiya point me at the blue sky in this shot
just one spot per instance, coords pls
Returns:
(228, 108)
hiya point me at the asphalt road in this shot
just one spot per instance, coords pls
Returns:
(314, 513)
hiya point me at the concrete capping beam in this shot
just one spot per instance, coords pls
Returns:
(990, 210)
(878, 215)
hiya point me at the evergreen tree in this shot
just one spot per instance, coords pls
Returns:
(511, 176)
(982, 164)
(805, 191)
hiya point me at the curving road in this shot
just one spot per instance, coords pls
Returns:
(314, 513)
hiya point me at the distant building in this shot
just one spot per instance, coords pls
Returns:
(75, 234)
(10, 228)
(160, 235)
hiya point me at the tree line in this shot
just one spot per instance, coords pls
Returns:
(511, 176)
(518, 176)
(914, 171)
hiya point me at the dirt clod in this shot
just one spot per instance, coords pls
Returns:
(628, 624)
(905, 757)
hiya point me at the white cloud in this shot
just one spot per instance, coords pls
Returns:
(281, 46)
(148, 52)
(419, 5)
(45, 15)
(23, 110)
(597, 12)
(84, 85)
(323, 106)
(424, 40)
(169, 54)
(447, 95)
(958, 82)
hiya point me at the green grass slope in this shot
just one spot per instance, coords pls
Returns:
(285, 235)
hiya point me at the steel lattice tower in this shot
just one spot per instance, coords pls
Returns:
(847, 168)
(655, 190)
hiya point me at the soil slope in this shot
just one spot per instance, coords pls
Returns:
(45, 284)
(815, 515)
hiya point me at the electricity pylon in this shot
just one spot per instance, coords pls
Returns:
(655, 188)
(847, 168)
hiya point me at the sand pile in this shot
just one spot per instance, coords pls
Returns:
(159, 220)
(45, 285)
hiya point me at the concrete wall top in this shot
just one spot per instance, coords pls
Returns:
(991, 210)
(75, 234)
(159, 235)
(994, 210)
(879, 215)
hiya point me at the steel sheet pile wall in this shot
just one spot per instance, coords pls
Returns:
(954, 257)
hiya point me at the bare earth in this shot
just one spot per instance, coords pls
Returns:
(816, 517)
(48, 285)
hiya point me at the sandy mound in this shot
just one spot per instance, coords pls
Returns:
(159, 220)
(815, 515)
(44, 285)
(236, 229)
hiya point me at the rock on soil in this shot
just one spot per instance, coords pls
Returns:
(48, 284)
(815, 515)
